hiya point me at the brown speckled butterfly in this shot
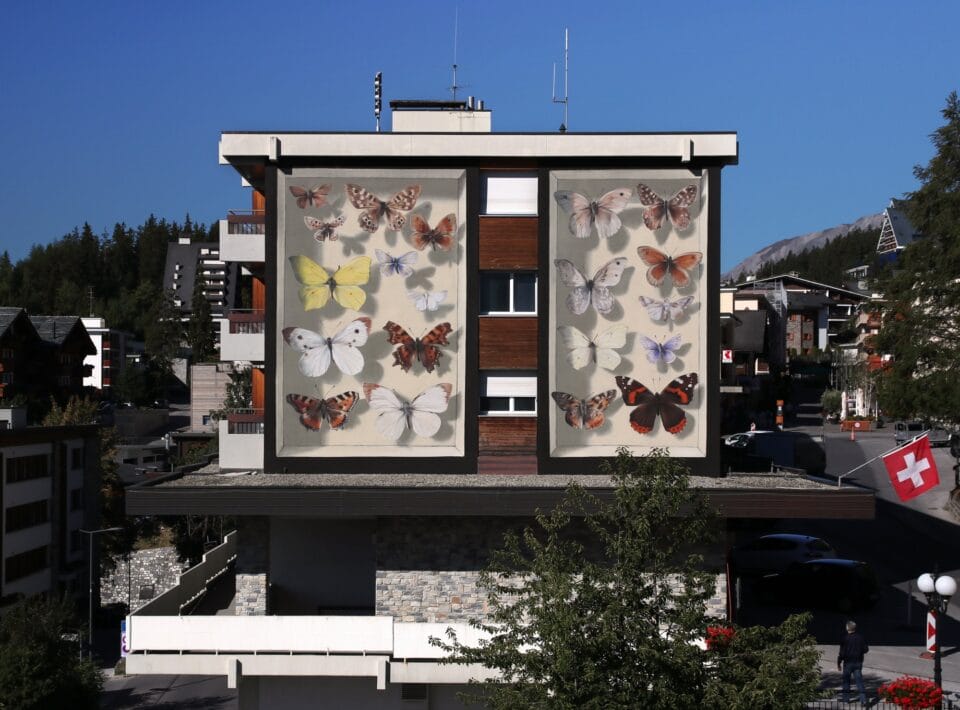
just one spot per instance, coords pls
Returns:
(316, 196)
(313, 411)
(584, 413)
(674, 209)
(423, 349)
(322, 231)
(374, 208)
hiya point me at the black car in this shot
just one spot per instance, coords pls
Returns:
(843, 585)
(760, 450)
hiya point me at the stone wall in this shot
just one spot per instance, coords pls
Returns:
(148, 574)
(253, 562)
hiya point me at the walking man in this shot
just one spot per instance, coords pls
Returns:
(853, 647)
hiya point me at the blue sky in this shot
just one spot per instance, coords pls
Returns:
(110, 111)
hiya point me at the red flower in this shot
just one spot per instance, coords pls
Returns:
(912, 693)
(719, 637)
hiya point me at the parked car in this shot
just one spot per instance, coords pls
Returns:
(843, 585)
(906, 430)
(760, 450)
(778, 552)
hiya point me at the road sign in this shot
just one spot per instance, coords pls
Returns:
(726, 356)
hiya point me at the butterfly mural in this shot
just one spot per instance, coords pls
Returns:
(584, 413)
(440, 237)
(314, 411)
(392, 265)
(666, 310)
(676, 267)
(396, 415)
(317, 285)
(665, 352)
(648, 406)
(602, 213)
(427, 300)
(595, 291)
(322, 231)
(315, 196)
(318, 350)
(375, 209)
(602, 349)
(674, 209)
(424, 350)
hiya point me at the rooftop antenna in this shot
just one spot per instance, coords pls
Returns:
(377, 96)
(566, 93)
(456, 29)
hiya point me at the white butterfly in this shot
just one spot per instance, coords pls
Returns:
(390, 264)
(586, 213)
(343, 348)
(396, 415)
(596, 290)
(427, 300)
(601, 350)
(660, 352)
(666, 310)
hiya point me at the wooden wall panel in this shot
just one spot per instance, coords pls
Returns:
(258, 388)
(507, 465)
(508, 342)
(515, 435)
(258, 202)
(508, 243)
(259, 294)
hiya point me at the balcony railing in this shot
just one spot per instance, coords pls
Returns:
(245, 222)
(245, 421)
(247, 322)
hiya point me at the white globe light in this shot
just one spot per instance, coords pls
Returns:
(946, 586)
(925, 583)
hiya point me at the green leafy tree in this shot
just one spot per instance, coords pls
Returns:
(163, 338)
(39, 666)
(200, 327)
(922, 304)
(601, 605)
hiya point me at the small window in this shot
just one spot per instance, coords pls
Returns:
(508, 393)
(76, 499)
(514, 194)
(76, 458)
(508, 293)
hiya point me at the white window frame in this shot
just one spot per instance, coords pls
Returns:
(509, 194)
(509, 384)
(512, 293)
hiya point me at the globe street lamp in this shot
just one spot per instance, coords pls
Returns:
(938, 592)
(91, 533)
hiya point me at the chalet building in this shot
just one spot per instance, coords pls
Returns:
(447, 325)
(49, 491)
(107, 364)
(896, 232)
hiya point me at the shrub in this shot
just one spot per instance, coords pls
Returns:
(909, 692)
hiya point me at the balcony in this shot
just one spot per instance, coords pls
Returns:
(177, 633)
(242, 236)
(241, 440)
(242, 336)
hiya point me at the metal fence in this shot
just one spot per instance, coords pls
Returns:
(949, 703)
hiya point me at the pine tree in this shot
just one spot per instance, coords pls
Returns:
(200, 327)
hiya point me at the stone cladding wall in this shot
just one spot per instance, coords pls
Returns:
(157, 568)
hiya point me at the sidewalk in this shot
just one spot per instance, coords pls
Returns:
(886, 663)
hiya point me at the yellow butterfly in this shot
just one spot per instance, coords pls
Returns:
(318, 285)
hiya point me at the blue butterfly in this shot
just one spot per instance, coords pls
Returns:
(664, 352)
(390, 265)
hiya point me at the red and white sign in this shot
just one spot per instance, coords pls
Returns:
(726, 357)
(912, 469)
(931, 632)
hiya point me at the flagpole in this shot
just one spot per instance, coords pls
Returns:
(880, 456)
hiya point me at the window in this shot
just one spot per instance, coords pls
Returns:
(25, 564)
(508, 293)
(28, 515)
(76, 458)
(76, 499)
(76, 541)
(510, 194)
(508, 393)
(24, 468)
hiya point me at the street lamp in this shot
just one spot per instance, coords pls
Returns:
(938, 592)
(91, 533)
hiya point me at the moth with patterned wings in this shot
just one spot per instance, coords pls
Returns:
(648, 406)
(396, 415)
(375, 209)
(674, 209)
(440, 237)
(424, 350)
(666, 310)
(315, 196)
(594, 291)
(602, 349)
(584, 413)
(314, 411)
(665, 352)
(391, 265)
(317, 285)
(322, 231)
(602, 213)
(318, 350)
(678, 267)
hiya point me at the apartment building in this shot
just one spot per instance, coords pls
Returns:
(449, 325)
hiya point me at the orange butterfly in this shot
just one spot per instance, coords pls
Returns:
(314, 411)
(440, 237)
(678, 267)
(424, 349)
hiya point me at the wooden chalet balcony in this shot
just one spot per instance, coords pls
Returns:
(245, 421)
(242, 236)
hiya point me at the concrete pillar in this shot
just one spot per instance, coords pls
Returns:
(253, 566)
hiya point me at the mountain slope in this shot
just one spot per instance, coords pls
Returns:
(795, 245)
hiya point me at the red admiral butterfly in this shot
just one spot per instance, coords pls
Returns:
(666, 404)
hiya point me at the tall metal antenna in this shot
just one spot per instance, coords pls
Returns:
(566, 93)
(456, 30)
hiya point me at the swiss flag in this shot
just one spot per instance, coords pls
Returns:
(912, 469)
